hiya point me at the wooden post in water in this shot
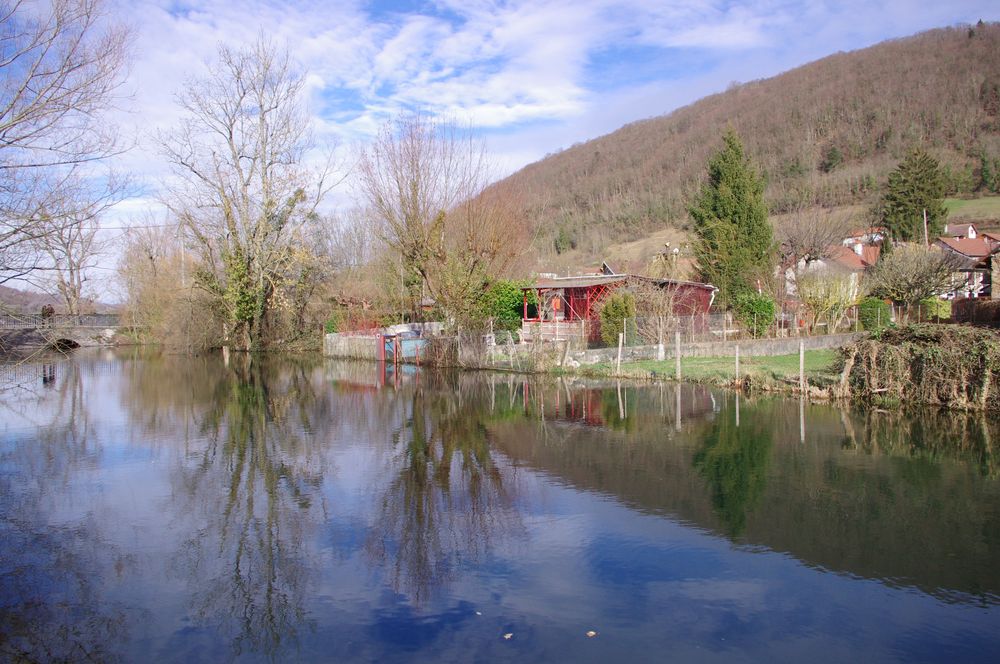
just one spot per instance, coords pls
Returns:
(737, 363)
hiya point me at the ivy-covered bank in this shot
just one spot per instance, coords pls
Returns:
(954, 366)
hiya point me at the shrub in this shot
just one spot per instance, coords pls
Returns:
(935, 308)
(334, 322)
(755, 311)
(874, 314)
(504, 303)
(615, 310)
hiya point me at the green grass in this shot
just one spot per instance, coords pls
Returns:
(973, 208)
(819, 365)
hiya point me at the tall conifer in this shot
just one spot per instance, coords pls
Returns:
(916, 185)
(734, 246)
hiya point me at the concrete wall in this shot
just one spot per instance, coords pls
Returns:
(343, 345)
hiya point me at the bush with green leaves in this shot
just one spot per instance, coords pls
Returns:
(334, 321)
(755, 311)
(504, 303)
(935, 308)
(874, 314)
(616, 309)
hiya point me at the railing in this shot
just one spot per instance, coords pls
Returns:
(12, 321)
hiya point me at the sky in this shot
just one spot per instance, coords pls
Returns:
(534, 77)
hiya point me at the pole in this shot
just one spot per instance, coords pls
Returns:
(677, 354)
(621, 339)
(802, 366)
(737, 362)
(925, 228)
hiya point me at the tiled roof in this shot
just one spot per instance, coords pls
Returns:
(846, 257)
(978, 248)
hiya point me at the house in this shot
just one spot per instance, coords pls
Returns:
(573, 301)
(959, 231)
(875, 235)
(975, 258)
(854, 256)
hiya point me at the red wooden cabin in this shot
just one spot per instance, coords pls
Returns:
(575, 299)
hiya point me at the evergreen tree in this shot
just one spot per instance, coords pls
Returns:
(916, 185)
(734, 246)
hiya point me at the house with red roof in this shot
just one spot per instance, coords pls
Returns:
(976, 258)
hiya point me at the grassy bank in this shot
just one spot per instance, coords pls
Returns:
(777, 372)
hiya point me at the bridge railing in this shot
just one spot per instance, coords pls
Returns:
(15, 321)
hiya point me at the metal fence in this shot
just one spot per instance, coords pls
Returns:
(14, 321)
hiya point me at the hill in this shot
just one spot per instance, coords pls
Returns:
(824, 134)
(28, 301)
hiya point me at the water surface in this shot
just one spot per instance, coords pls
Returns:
(155, 507)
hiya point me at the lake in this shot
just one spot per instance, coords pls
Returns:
(164, 508)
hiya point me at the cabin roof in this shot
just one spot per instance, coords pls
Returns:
(589, 281)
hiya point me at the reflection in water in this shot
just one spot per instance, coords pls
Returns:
(734, 461)
(51, 576)
(177, 508)
(253, 481)
(934, 436)
(450, 498)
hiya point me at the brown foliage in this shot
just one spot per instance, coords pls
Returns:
(872, 105)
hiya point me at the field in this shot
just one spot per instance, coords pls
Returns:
(974, 209)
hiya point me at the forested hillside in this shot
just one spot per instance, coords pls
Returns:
(825, 134)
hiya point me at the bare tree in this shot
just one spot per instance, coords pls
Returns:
(60, 66)
(245, 193)
(912, 272)
(827, 295)
(74, 248)
(159, 297)
(810, 235)
(426, 185)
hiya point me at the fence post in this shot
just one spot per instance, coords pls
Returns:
(677, 354)
(737, 362)
(802, 366)
(660, 352)
(621, 338)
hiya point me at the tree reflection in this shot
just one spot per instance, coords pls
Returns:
(450, 498)
(734, 462)
(254, 482)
